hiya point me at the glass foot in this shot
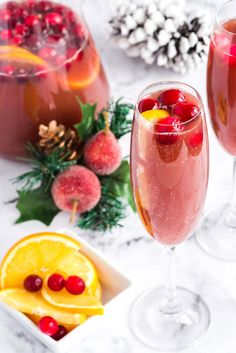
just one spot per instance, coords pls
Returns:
(217, 233)
(169, 332)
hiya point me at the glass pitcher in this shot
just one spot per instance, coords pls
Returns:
(47, 60)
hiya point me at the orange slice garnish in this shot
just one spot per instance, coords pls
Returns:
(84, 72)
(12, 53)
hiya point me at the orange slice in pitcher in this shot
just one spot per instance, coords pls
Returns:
(84, 72)
(10, 53)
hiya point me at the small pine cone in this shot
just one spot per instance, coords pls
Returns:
(53, 137)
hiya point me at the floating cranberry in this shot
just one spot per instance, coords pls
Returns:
(47, 53)
(61, 332)
(43, 6)
(31, 4)
(196, 139)
(168, 130)
(5, 15)
(7, 70)
(21, 29)
(20, 13)
(75, 285)
(171, 96)
(12, 5)
(32, 21)
(53, 19)
(40, 72)
(56, 282)
(147, 104)
(17, 40)
(78, 30)
(48, 325)
(186, 111)
(5, 34)
(60, 29)
(59, 9)
(33, 283)
(33, 42)
(230, 55)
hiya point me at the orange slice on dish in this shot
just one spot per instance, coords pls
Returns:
(14, 54)
(85, 303)
(39, 254)
(34, 304)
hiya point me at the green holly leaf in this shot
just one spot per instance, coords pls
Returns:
(36, 204)
(85, 127)
(119, 183)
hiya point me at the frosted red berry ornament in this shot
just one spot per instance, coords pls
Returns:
(76, 190)
(102, 152)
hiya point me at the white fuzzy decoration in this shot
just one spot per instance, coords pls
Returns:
(161, 32)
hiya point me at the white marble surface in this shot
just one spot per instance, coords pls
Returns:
(130, 247)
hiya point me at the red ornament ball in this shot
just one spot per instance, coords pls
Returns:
(102, 153)
(76, 184)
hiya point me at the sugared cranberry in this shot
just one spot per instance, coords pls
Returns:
(147, 104)
(75, 285)
(171, 96)
(47, 53)
(32, 21)
(33, 283)
(61, 332)
(167, 130)
(53, 19)
(21, 29)
(48, 325)
(56, 282)
(186, 111)
(5, 34)
(5, 15)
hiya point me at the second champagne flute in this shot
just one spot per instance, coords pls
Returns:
(217, 234)
(169, 170)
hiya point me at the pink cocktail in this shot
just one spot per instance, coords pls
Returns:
(217, 234)
(169, 169)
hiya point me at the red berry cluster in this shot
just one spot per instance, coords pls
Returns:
(180, 110)
(56, 282)
(50, 327)
(48, 29)
(73, 284)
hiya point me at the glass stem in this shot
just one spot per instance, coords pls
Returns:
(171, 303)
(231, 217)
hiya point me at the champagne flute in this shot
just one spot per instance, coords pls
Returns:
(169, 171)
(217, 233)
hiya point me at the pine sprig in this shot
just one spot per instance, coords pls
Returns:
(120, 121)
(44, 168)
(107, 214)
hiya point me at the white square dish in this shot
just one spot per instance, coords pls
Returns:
(114, 284)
